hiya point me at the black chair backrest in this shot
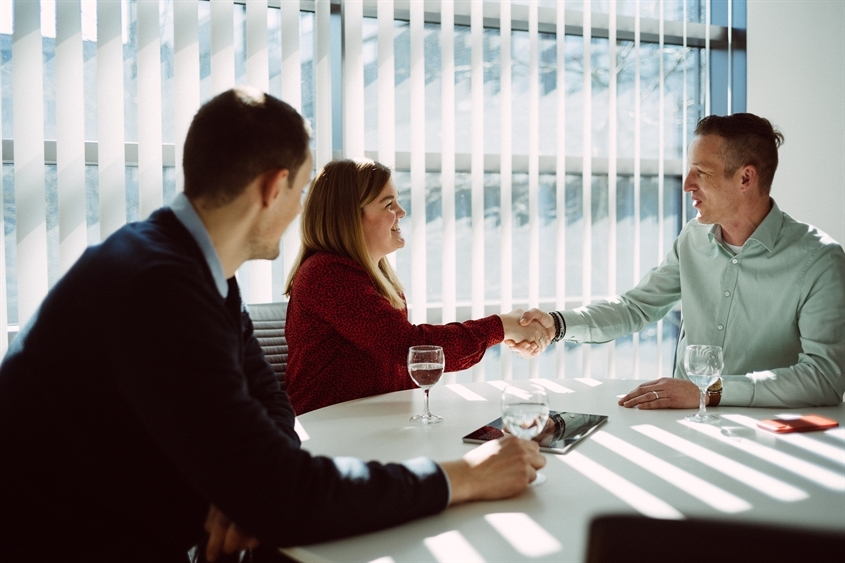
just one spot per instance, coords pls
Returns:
(622, 538)
(268, 320)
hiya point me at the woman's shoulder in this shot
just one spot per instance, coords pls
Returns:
(321, 261)
(324, 268)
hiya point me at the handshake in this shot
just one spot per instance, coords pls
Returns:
(528, 332)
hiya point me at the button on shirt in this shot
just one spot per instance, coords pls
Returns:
(777, 308)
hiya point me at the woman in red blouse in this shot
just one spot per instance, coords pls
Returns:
(347, 323)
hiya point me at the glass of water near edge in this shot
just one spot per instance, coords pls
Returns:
(704, 365)
(425, 365)
(525, 410)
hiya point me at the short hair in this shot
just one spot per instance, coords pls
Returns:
(332, 221)
(237, 136)
(748, 139)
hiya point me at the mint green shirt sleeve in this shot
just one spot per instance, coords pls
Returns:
(777, 308)
(651, 300)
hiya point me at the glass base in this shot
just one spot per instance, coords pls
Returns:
(541, 478)
(426, 419)
(706, 419)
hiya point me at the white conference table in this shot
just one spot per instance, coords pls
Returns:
(646, 462)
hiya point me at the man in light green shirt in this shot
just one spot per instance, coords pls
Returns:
(766, 288)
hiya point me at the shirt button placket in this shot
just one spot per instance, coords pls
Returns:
(728, 289)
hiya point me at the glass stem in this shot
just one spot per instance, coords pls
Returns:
(426, 412)
(702, 406)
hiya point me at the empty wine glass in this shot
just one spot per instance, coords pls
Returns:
(704, 366)
(425, 364)
(525, 411)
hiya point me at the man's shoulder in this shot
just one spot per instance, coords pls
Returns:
(695, 235)
(807, 238)
(153, 250)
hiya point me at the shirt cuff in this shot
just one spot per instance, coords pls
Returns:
(737, 390)
(448, 485)
(575, 328)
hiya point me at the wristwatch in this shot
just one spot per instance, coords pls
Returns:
(714, 393)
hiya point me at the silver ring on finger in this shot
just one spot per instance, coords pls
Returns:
(656, 396)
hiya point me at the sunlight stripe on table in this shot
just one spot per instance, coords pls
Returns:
(498, 384)
(299, 429)
(828, 451)
(524, 534)
(452, 546)
(694, 486)
(805, 469)
(464, 392)
(755, 479)
(588, 381)
(552, 386)
(639, 499)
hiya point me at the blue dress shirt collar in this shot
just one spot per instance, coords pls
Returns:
(187, 215)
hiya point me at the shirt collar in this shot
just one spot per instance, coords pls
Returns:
(766, 232)
(187, 215)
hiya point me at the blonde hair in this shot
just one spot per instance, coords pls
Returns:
(331, 221)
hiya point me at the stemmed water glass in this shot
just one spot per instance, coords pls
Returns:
(425, 364)
(525, 411)
(704, 365)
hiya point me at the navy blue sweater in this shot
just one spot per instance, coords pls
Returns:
(139, 397)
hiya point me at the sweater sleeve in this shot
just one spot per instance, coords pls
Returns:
(339, 292)
(186, 386)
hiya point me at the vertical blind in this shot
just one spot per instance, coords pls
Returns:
(538, 146)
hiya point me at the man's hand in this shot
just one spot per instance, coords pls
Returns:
(542, 317)
(526, 339)
(663, 393)
(497, 469)
(530, 318)
(224, 535)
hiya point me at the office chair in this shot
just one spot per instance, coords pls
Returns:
(269, 322)
(614, 538)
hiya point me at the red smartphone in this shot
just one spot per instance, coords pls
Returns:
(805, 423)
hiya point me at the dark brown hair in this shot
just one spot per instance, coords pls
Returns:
(748, 139)
(237, 136)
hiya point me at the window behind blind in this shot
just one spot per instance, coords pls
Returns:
(538, 146)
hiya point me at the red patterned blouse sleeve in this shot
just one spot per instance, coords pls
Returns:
(340, 292)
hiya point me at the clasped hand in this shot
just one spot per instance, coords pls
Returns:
(528, 333)
(224, 535)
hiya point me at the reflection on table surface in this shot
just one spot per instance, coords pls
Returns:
(649, 462)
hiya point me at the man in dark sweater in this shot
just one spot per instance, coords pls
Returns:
(137, 413)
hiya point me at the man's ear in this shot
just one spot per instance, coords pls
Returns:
(272, 184)
(749, 177)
